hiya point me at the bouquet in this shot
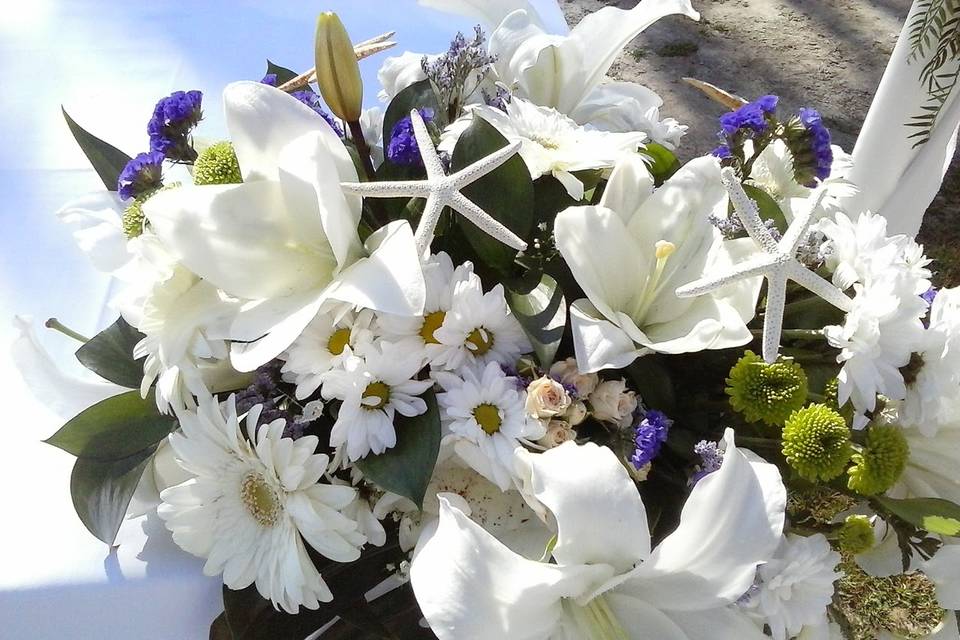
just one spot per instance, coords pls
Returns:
(493, 363)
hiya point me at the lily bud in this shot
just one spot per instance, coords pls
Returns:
(338, 73)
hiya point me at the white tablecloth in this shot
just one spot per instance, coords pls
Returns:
(108, 62)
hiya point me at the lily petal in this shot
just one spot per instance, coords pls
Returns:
(489, 12)
(97, 229)
(599, 343)
(469, 585)
(630, 184)
(583, 485)
(725, 622)
(943, 568)
(271, 326)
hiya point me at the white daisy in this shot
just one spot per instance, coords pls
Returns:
(485, 415)
(795, 586)
(417, 332)
(324, 344)
(479, 328)
(374, 389)
(551, 143)
(254, 499)
(857, 251)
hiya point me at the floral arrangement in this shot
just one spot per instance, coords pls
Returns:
(492, 363)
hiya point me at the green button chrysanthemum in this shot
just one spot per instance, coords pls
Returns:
(217, 164)
(879, 465)
(766, 392)
(856, 535)
(132, 219)
(816, 442)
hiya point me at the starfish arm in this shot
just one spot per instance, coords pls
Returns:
(812, 282)
(747, 211)
(428, 224)
(487, 224)
(797, 231)
(773, 316)
(409, 189)
(428, 153)
(741, 271)
(483, 166)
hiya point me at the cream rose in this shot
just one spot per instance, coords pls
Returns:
(566, 371)
(612, 402)
(558, 432)
(547, 398)
(576, 413)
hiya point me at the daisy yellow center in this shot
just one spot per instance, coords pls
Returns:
(488, 417)
(479, 341)
(338, 341)
(260, 499)
(431, 322)
(376, 396)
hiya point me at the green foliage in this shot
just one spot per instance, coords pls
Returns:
(935, 515)
(102, 489)
(283, 74)
(769, 209)
(663, 162)
(107, 160)
(816, 443)
(109, 354)
(419, 95)
(406, 468)
(540, 308)
(505, 193)
(881, 462)
(766, 392)
(934, 35)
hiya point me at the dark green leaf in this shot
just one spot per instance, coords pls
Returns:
(114, 429)
(664, 162)
(107, 160)
(219, 629)
(769, 209)
(542, 312)
(930, 514)
(283, 74)
(505, 193)
(102, 490)
(419, 95)
(652, 380)
(109, 354)
(406, 468)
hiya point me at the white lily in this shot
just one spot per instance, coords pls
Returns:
(285, 240)
(567, 71)
(606, 581)
(630, 254)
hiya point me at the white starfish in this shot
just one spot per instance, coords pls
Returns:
(777, 263)
(442, 190)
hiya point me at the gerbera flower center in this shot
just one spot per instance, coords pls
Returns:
(488, 417)
(260, 499)
(431, 322)
(375, 396)
(479, 341)
(338, 341)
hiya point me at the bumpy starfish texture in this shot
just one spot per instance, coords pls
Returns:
(442, 190)
(777, 263)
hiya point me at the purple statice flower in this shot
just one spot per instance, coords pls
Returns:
(265, 391)
(498, 100)
(270, 79)
(312, 100)
(929, 295)
(457, 73)
(649, 437)
(173, 119)
(819, 141)
(141, 175)
(403, 149)
(751, 117)
(711, 458)
(723, 152)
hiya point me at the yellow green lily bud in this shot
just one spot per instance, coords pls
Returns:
(338, 74)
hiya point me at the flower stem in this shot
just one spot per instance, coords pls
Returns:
(759, 442)
(377, 214)
(56, 325)
(795, 334)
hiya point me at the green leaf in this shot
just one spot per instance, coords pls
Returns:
(406, 468)
(114, 429)
(542, 312)
(769, 209)
(653, 382)
(283, 74)
(419, 95)
(101, 491)
(107, 160)
(935, 515)
(505, 193)
(664, 162)
(219, 629)
(109, 354)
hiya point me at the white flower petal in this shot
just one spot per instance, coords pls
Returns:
(944, 569)
(598, 343)
(97, 229)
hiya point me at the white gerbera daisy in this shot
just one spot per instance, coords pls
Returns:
(417, 332)
(479, 328)
(323, 345)
(484, 412)
(253, 501)
(795, 587)
(551, 143)
(374, 389)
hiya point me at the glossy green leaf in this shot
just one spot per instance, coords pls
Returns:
(283, 74)
(114, 429)
(109, 354)
(542, 312)
(935, 515)
(663, 162)
(652, 379)
(101, 491)
(107, 160)
(419, 95)
(506, 193)
(406, 468)
(769, 209)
